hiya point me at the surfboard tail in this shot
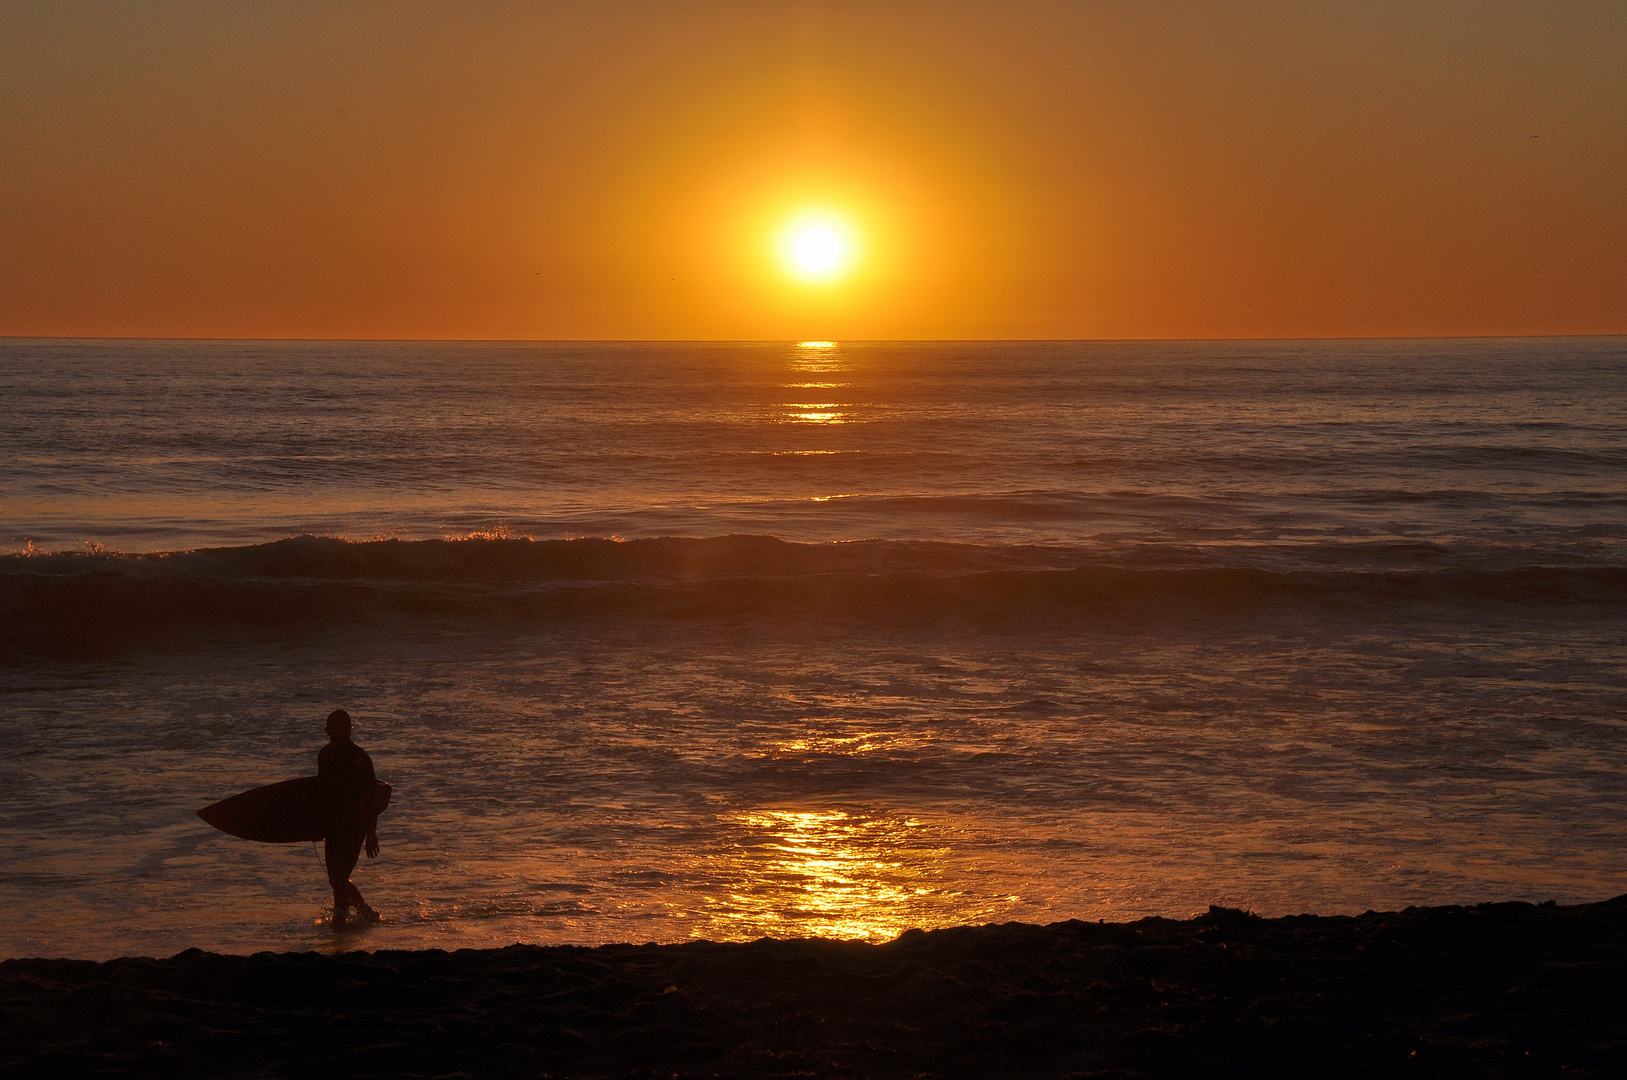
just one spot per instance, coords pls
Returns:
(286, 813)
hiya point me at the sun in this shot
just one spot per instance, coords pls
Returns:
(817, 247)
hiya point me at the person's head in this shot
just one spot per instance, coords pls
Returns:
(339, 726)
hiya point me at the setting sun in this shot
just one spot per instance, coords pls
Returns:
(817, 247)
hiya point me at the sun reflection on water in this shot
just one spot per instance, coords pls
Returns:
(829, 873)
(815, 358)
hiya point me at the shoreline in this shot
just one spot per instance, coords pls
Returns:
(1501, 989)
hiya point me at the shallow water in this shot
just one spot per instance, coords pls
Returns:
(1347, 634)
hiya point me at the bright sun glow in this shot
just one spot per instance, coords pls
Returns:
(817, 247)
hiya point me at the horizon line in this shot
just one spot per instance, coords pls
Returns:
(795, 341)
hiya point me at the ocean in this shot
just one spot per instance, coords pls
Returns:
(668, 641)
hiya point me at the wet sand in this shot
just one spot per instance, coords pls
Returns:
(1491, 990)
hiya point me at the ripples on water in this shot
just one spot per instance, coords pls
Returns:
(160, 446)
(1348, 634)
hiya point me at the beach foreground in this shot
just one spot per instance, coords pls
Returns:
(1506, 989)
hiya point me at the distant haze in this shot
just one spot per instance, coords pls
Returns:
(617, 170)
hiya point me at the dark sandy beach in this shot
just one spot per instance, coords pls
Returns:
(1492, 990)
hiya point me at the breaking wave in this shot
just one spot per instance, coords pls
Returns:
(87, 601)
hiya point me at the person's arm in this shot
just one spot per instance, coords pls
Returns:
(372, 845)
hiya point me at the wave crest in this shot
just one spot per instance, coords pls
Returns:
(74, 602)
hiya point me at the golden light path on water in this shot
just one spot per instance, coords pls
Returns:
(830, 873)
(795, 872)
(822, 871)
(811, 359)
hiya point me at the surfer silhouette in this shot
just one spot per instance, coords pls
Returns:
(347, 772)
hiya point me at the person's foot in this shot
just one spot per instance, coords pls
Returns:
(367, 913)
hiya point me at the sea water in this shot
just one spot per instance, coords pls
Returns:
(667, 641)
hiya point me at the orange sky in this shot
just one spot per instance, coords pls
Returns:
(617, 170)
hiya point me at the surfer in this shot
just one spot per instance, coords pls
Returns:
(348, 772)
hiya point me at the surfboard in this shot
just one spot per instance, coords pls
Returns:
(284, 813)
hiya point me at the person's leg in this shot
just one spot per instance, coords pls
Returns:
(340, 853)
(360, 905)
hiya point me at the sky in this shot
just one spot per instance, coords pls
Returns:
(621, 170)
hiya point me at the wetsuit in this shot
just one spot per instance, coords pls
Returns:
(348, 772)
